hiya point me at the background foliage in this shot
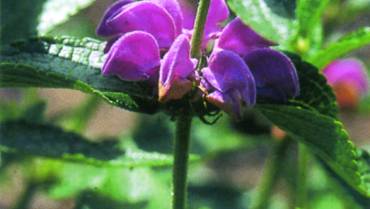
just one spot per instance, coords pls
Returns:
(133, 170)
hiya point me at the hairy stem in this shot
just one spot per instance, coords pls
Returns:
(200, 20)
(181, 154)
(270, 174)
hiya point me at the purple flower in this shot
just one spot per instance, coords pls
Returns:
(149, 40)
(349, 80)
(176, 68)
(242, 66)
(133, 57)
(229, 81)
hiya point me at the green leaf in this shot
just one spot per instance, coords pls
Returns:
(70, 63)
(271, 18)
(341, 47)
(308, 14)
(315, 93)
(55, 12)
(52, 142)
(325, 137)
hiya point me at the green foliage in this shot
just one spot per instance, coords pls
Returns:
(271, 18)
(325, 137)
(308, 14)
(343, 46)
(315, 93)
(70, 63)
(52, 142)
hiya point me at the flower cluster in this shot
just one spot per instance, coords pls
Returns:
(349, 80)
(150, 40)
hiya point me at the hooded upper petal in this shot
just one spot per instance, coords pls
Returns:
(173, 8)
(176, 68)
(140, 16)
(218, 13)
(135, 56)
(241, 39)
(105, 30)
(233, 83)
(275, 75)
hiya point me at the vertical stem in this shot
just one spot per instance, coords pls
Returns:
(200, 21)
(181, 154)
(270, 174)
(301, 192)
(183, 123)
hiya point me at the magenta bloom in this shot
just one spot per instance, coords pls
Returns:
(150, 40)
(349, 80)
(242, 67)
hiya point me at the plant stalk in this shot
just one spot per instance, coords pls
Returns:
(200, 20)
(271, 174)
(181, 155)
(301, 188)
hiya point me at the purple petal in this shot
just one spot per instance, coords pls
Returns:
(218, 13)
(175, 70)
(103, 29)
(233, 85)
(135, 56)
(275, 75)
(241, 39)
(188, 10)
(350, 71)
(143, 16)
(173, 8)
(227, 70)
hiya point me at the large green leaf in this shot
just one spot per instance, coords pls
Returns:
(70, 63)
(52, 142)
(55, 12)
(327, 138)
(315, 93)
(341, 47)
(274, 19)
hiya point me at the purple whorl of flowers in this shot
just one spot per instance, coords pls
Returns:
(150, 40)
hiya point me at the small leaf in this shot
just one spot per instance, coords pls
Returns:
(271, 18)
(52, 142)
(308, 14)
(343, 46)
(55, 12)
(70, 63)
(325, 137)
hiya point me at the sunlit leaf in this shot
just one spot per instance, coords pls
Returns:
(55, 12)
(271, 18)
(341, 47)
(70, 63)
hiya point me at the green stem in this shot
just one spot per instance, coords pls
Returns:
(200, 21)
(181, 155)
(301, 188)
(270, 174)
